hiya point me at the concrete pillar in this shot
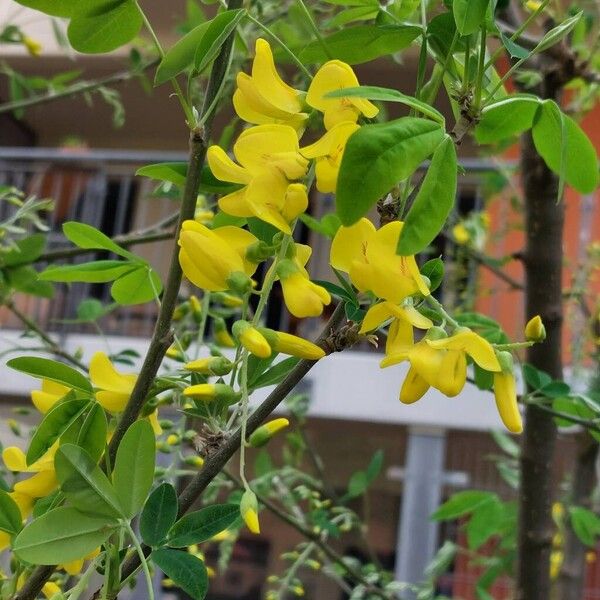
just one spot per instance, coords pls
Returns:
(424, 470)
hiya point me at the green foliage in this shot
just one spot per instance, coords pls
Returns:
(201, 525)
(506, 118)
(377, 157)
(565, 148)
(11, 521)
(63, 532)
(54, 424)
(586, 525)
(469, 15)
(361, 43)
(45, 368)
(361, 480)
(461, 504)
(101, 26)
(133, 472)
(89, 431)
(433, 202)
(434, 271)
(83, 483)
(57, 8)
(186, 571)
(159, 514)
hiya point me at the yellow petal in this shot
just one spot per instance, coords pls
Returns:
(196, 276)
(427, 362)
(506, 401)
(400, 335)
(112, 401)
(74, 567)
(453, 373)
(350, 244)
(239, 240)
(255, 342)
(49, 395)
(50, 589)
(376, 316)
(414, 317)
(413, 388)
(302, 297)
(224, 168)
(478, 348)
(38, 485)
(14, 459)
(265, 74)
(24, 502)
(296, 201)
(153, 420)
(235, 204)
(297, 346)
(104, 375)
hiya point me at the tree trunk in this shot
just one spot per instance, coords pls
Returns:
(544, 218)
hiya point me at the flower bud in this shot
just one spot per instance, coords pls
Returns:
(196, 307)
(251, 339)
(180, 311)
(174, 353)
(286, 343)
(221, 335)
(173, 440)
(194, 461)
(213, 365)
(535, 330)
(239, 282)
(212, 391)
(265, 432)
(259, 252)
(249, 511)
(228, 300)
(505, 394)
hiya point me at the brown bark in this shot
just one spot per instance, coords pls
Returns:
(543, 257)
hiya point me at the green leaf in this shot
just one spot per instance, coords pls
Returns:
(90, 238)
(84, 484)
(565, 148)
(485, 522)
(327, 226)
(469, 15)
(105, 26)
(361, 43)
(586, 524)
(176, 172)
(506, 118)
(11, 520)
(361, 480)
(275, 374)
(55, 8)
(434, 270)
(159, 514)
(133, 472)
(24, 278)
(557, 33)
(62, 533)
(377, 157)
(201, 525)
(27, 250)
(535, 378)
(442, 560)
(371, 92)
(89, 432)
(45, 368)
(181, 56)
(185, 570)
(55, 422)
(98, 271)
(513, 48)
(137, 287)
(219, 29)
(461, 504)
(433, 203)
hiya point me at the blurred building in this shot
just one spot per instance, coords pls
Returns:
(67, 150)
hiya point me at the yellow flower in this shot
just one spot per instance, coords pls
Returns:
(210, 257)
(369, 257)
(113, 387)
(535, 330)
(40, 484)
(505, 394)
(404, 318)
(265, 432)
(461, 234)
(249, 511)
(441, 362)
(286, 343)
(49, 395)
(251, 339)
(269, 160)
(302, 297)
(337, 75)
(328, 152)
(263, 97)
(533, 5)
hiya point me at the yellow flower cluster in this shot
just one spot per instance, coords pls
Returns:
(438, 360)
(270, 169)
